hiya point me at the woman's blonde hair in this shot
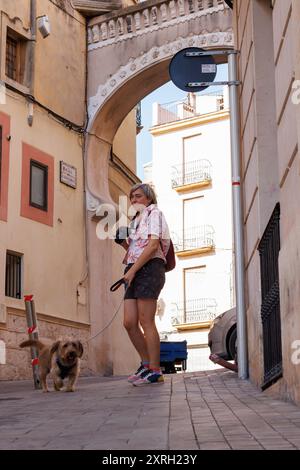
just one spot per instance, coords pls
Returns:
(147, 190)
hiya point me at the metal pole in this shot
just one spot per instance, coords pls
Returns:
(32, 332)
(237, 219)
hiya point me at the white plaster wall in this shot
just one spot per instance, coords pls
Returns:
(214, 146)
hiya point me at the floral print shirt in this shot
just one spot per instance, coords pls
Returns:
(152, 222)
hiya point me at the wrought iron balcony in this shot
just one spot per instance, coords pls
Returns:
(188, 108)
(198, 171)
(194, 238)
(194, 311)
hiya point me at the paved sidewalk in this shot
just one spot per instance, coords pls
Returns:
(202, 410)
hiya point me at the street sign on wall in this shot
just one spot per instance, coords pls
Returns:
(68, 174)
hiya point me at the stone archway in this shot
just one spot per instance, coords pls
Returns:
(112, 92)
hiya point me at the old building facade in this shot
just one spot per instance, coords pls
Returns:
(68, 99)
(129, 53)
(267, 35)
(191, 174)
(43, 245)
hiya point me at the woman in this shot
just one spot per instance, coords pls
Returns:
(146, 246)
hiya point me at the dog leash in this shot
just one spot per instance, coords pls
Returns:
(113, 288)
(117, 284)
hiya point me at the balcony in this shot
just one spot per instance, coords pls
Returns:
(191, 107)
(95, 7)
(194, 241)
(191, 175)
(192, 312)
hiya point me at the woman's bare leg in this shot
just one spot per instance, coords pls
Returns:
(131, 324)
(146, 315)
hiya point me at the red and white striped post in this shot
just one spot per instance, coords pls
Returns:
(33, 334)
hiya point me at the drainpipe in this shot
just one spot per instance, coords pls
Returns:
(31, 58)
(84, 157)
(237, 218)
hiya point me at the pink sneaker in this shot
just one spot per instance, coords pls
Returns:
(149, 377)
(137, 375)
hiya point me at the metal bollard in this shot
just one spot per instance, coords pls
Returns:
(33, 334)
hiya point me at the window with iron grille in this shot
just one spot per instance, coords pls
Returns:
(15, 56)
(269, 248)
(38, 185)
(11, 57)
(13, 275)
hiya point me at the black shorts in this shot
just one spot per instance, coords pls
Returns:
(148, 281)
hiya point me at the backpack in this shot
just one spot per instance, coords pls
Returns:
(170, 258)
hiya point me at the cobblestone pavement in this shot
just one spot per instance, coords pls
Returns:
(191, 411)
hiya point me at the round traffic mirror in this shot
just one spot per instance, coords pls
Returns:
(188, 67)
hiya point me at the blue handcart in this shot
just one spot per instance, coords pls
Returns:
(173, 356)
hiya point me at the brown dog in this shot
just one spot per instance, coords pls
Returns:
(62, 359)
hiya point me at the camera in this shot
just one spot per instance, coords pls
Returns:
(122, 234)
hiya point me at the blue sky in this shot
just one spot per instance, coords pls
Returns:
(164, 94)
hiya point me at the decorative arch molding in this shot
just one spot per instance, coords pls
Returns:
(106, 91)
(104, 33)
(155, 55)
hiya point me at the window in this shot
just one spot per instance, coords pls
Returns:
(193, 223)
(37, 190)
(191, 146)
(198, 306)
(193, 212)
(194, 283)
(15, 56)
(192, 161)
(11, 58)
(269, 248)
(13, 275)
(38, 185)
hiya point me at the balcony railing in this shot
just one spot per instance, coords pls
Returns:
(186, 109)
(191, 172)
(195, 311)
(145, 16)
(194, 238)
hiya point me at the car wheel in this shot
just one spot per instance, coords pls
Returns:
(232, 344)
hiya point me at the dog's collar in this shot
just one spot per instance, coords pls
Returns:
(64, 370)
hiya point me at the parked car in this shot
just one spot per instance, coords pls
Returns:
(222, 335)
